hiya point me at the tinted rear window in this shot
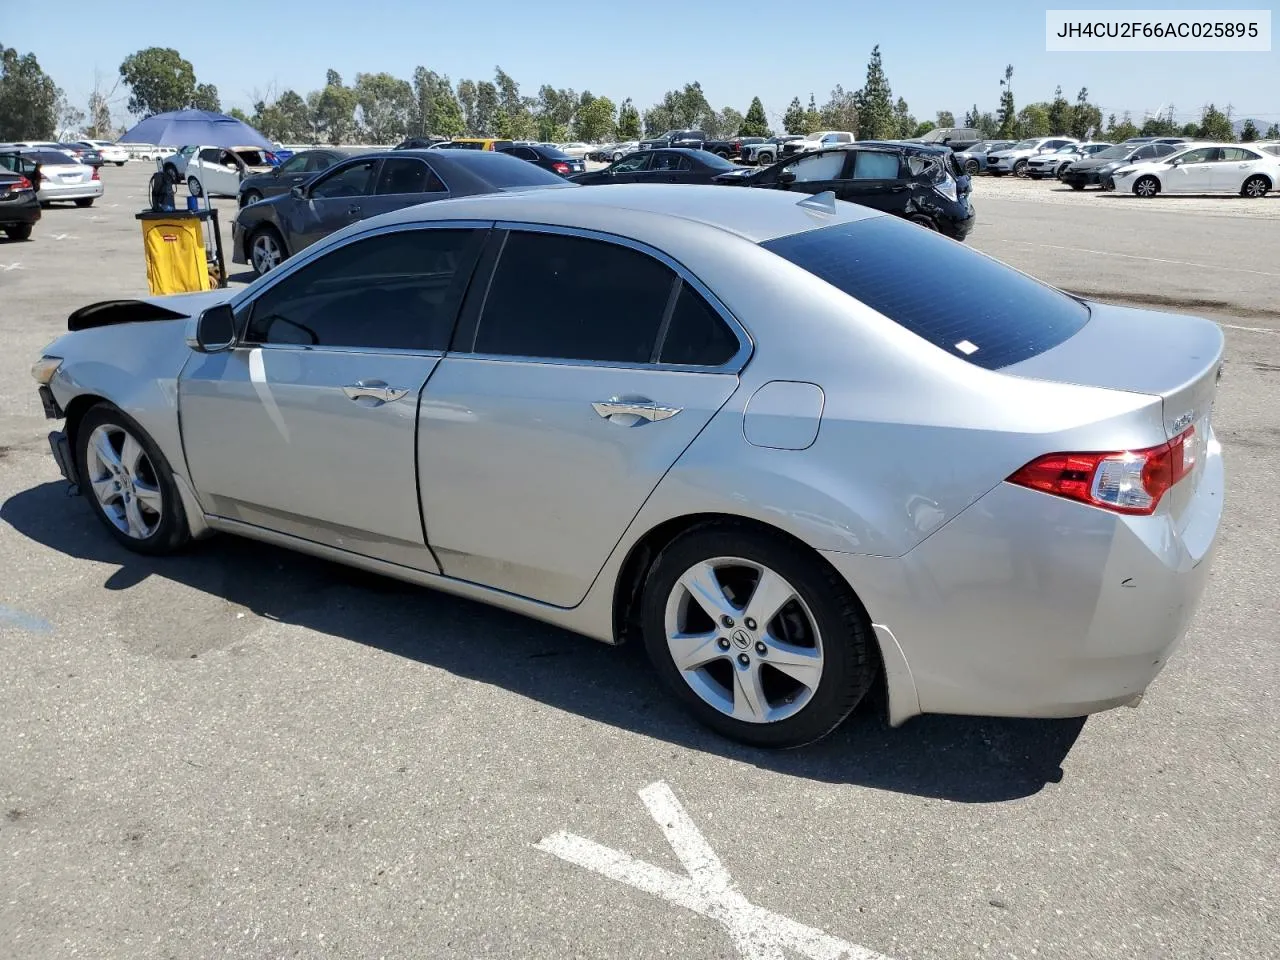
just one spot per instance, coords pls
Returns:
(502, 170)
(50, 157)
(960, 301)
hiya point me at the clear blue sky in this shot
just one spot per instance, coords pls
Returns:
(937, 55)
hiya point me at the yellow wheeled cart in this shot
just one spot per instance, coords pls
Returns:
(174, 246)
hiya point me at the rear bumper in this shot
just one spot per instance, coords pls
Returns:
(70, 191)
(959, 226)
(13, 213)
(1029, 605)
(1088, 177)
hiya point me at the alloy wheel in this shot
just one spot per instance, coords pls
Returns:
(267, 254)
(1146, 187)
(1255, 187)
(124, 481)
(743, 640)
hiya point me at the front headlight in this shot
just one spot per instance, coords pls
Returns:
(44, 369)
(1123, 172)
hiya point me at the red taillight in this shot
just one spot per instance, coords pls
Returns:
(561, 168)
(22, 184)
(95, 174)
(1128, 481)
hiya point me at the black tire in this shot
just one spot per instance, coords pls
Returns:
(172, 172)
(972, 167)
(18, 231)
(1146, 187)
(194, 188)
(1256, 187)
(172, 532)
(1077, 186)
(1020, 168)
(251, 196)
(119, 163)
(84, 202)
(850, 658)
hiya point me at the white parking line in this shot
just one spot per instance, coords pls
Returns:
(1132, 256)
(708, 890)
(6, 267)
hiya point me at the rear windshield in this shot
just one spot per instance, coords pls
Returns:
(50, 158)
(716, 162)
(503, 170)
(965, 303)
(554, 153)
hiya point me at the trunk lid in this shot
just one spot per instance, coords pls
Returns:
(1171, 356)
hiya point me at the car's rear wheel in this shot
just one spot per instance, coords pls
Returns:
(759, 638)
(266, 250)
(1020, 168)
(128, 482)
(84, 201)
(1146, 187)
(18, 231)
(1255, 187)
(194, 188)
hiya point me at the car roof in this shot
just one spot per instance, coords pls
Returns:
(636, 209)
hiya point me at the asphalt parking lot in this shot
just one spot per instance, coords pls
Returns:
(248, 753)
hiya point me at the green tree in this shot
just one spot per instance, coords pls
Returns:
(235, 113)
(434, 105)
(945, 118)
(448, 121)
(1059, 113)
(467, 95)
(840, 112)
(988, 126)
(554, 110)
(1215, 124)
(755, 123)
(159, 80)
(335, 108)
(1273, 132)
(205, 97)
(386, 107)
(658, 120)
(1086, 119)
(485, 123)
(1248, 132)
(876, 119)
(725, 124)
(793, 119)
(1121, 131)
(1190, 130)
(29, 98)
(904, 123)
(1161, 125)
(1007, 119)
(812, 116)
(1033, 121)
(924, 127)
(628, 121)
(972, 117)
(514, 121)
(594, 122)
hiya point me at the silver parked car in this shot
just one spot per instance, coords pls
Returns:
(63, 177)
(781, 461)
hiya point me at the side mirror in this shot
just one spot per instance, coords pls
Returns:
(275, 172)
(787, 177)
(298, 193)
(1176, 163)
(212, 330)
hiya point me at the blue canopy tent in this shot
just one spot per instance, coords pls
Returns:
(180, 128)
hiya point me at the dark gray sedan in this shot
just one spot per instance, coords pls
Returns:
(265, 234)
(298, 169)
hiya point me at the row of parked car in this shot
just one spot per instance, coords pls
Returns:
(36, 174)
(319, 191)
(1147, 166)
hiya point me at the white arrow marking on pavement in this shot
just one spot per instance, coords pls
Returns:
(64, 236)
(757, 933)
(6, 267)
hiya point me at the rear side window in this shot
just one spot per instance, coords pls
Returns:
(572, 298)
(52, 158)
(697, 334)
(958, 300)
(407, 175)
(871, 165)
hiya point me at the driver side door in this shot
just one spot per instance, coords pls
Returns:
(1193, 174)
(330, 202)
(307, 425)
(630, 169)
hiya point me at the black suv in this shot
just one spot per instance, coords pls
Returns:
(912, 181)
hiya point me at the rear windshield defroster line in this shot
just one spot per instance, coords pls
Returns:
(955, 298)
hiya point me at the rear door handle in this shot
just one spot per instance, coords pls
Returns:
(376, 390)
(640, 407)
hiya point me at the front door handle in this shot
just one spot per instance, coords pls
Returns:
(376, 390)
(354, 208)
(640, 407)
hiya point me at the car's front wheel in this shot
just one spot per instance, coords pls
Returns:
(266, 250)
(1146, 187)
(18, 231)
(251, 196)
(972, 167)
(1020, 168)
(758, 637)
(1255, 187)
(128, 482)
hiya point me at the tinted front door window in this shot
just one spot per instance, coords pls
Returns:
(352, 181)
(574, 299)
(393, 291)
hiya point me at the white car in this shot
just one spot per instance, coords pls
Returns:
(620, 150)
(818, 140)
(1016, 159)
(63, 177)
(111, 152)
(1204, 168)
(1053, 164)
(217, 171)
(576, 150)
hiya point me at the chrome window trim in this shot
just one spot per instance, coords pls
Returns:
(310, 255)
(734, 365)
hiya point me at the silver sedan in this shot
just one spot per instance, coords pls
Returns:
(808, 449)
